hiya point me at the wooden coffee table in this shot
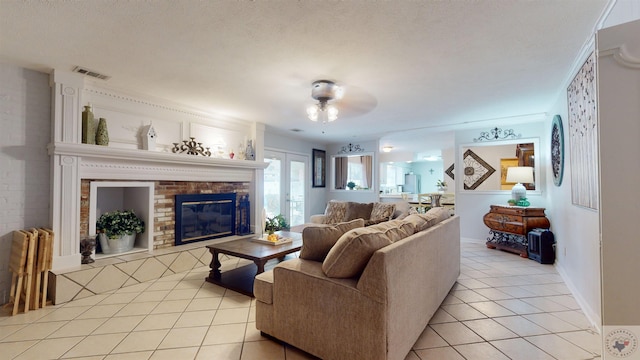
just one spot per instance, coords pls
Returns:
(241, 279)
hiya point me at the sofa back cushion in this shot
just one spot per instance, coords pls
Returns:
(436, 215)
(351, 253)
(335, 212)
(418, 221)
(317, 240)
(395, 229)
(356, 210)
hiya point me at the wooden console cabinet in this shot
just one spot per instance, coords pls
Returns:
(510, 225)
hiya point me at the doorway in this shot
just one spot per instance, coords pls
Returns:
(285, 185)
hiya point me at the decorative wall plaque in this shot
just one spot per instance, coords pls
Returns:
(449, 171)
(583, 135)
(557, 150)
(476, 170)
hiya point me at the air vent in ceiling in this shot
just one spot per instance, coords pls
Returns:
(95, 74)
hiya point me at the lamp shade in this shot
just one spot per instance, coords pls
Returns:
(520, 174)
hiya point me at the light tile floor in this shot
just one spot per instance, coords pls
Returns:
(503, 307)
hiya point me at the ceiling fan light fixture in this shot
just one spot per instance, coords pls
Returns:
(332, 113)
(312, 112)
(324, 91)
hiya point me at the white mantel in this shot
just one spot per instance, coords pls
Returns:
(100, 162)
(73, 161)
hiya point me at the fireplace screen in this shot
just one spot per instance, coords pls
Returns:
(204, 217)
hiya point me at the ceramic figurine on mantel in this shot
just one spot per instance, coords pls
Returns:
(250, 154)
(88, 126)
(149, 136)
(102, 133)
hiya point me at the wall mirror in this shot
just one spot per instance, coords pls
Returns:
(353, 172)
(483, 166)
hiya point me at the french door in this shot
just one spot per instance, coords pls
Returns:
(285, 185)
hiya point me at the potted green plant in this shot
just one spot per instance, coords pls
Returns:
(117, 230)
(275, 223)
(351, 185)
(442, 185)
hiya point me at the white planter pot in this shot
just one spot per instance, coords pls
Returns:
(115, 246)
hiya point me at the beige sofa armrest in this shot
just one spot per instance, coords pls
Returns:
(317, 219)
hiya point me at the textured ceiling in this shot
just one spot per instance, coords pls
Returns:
(404, 64)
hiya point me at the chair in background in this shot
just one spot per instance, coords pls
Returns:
(424, 203)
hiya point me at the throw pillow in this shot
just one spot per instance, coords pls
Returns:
(382, 211)
(317, 240)
(402, 210)
(357, 210)
(350, 255)
(395, 229)
(335, 212)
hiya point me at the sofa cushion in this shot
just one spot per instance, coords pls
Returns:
(357, 210)
(351, 253)
(395, 229)
(317, 240)
(436, 215)
(382, 211)
(335, 212)
(419, 222)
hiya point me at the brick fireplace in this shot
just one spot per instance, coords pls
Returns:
(164, 219)
(155, 175)
(169, 174)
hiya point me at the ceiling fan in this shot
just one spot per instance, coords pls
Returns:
(324, 91)
(333, 98)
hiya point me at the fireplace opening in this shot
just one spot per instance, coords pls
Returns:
(204, 216)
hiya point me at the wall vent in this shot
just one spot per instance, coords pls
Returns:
(95, 74)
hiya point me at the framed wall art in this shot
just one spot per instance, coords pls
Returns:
(505, 164)
(557, 150)
(476, 170)
(319, 166)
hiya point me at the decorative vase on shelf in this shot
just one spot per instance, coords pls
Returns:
(88, 126)
(102, 133)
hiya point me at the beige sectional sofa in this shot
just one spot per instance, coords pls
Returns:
(370, 296)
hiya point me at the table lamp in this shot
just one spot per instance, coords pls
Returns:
(519, 175)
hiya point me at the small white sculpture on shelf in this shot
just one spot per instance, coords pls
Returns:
(149, 136)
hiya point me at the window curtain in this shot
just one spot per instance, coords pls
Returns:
(342, 171)
(367, 167)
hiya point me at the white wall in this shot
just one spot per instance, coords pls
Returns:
(25, 120)
(619, 127)
(472, 205)
(575, 228)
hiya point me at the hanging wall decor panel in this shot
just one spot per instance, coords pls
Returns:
(583, 135)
